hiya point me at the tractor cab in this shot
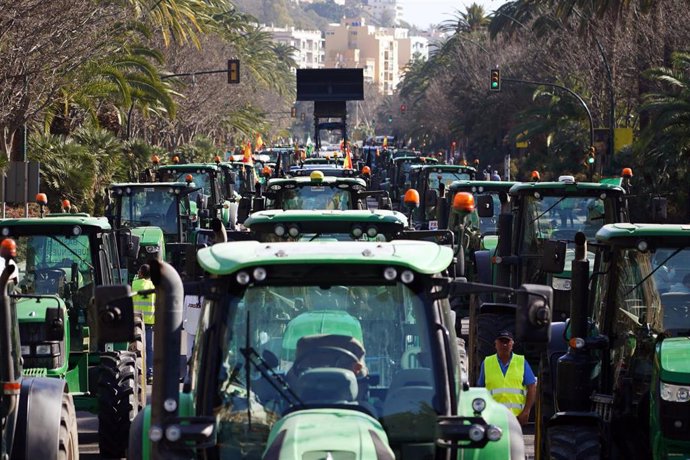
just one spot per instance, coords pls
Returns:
(214, 193)
(398, 179)
(318, 191)
(620, 362)
(161, 214)
(431, 181)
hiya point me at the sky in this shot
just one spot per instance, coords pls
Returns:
(424, 12)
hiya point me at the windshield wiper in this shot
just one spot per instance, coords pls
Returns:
(549, 209)
(272, 377)
(654, 271)
(72, 251)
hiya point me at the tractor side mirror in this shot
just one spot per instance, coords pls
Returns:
(55, 324)
(533, 313)
(484, 205)
(113, 310)
(128, 245)
(553, 258)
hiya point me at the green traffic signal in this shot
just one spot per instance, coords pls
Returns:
(590, 160)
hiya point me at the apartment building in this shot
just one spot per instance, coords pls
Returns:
(382, 52)
(384, 11)
(309, 45)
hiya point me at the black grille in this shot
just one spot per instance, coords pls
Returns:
(675, 420)
(31, 332)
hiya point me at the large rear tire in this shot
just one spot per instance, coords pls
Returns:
(573, 442)
(138, 347)
(68, 442)
(117, 402)
(544, 405)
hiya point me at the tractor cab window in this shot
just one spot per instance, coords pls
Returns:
(326, 342)
(200, 179)
(150, 206)
(560, 218)
(315, 197)
(446, 178)
(56, 265)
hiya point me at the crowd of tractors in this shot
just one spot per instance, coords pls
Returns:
(346, 312)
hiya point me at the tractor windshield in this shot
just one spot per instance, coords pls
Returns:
(326, 342)
(200, 178)
(315, 197)
(560, 218)
(446, 178)
(55, 265)
(653, 288)
(150, 206)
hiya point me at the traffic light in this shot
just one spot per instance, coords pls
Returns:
(233, 71)
(293, 112)
(403, 108)
(591, 156)
(495, 84)
(390, 118)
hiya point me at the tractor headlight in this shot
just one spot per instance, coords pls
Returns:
(478, 405)
(560, 284)
(43, 349)
(494, 433)
(26, 350)
(674, 393)
(476, 432)
(152, 249)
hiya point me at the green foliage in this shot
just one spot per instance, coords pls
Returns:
(200, 150)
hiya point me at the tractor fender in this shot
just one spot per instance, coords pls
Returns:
(575, 418)
(38, 418)
(557, 344)
(482, 260)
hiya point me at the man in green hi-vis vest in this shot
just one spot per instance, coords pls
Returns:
(509, 378)
(146, 305)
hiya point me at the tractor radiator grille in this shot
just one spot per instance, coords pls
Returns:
(35, 372)
(675, 420)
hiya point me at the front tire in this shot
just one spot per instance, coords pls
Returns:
(138, 347)
(573, 442)
(117, 402)
(68, 441)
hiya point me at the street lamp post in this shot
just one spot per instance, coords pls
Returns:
(233, 77)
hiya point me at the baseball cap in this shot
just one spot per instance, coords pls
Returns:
(504, 334)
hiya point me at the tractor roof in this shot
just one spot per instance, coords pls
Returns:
(421, 256)
(59, 220)
(190, 167)
(148, 185)
(566, 187)
(480, 186)
(666, 235)
(326, 180)
(415, 159)
(343, 218)
(444, 168)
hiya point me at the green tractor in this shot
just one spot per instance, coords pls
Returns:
(615, 380)
(431, 182)
(397, 178)
(290, 360)
(545, 218)
(215, 193)
(37, 414)
(60, 259)
(318, 191)
(160, 214)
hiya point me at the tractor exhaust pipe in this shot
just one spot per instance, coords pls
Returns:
(166, 360)
(574, 383)
(10, 369)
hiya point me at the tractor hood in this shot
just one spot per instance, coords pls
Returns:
(673, 360)
(34, 310)
(149, 236)
(351, 434)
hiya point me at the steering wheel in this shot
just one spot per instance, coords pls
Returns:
(47, 280)
(324, 357)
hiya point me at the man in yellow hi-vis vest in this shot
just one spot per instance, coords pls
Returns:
(509, 378)
(146, 305)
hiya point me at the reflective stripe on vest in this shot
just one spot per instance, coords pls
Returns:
(506, 389)
(146, 304)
